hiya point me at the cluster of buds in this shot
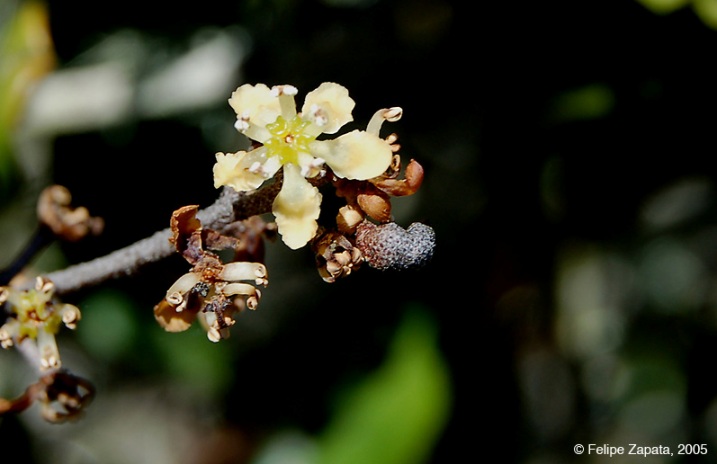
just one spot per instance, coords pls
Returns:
(367, 202)
(211, 291)
(36, 315)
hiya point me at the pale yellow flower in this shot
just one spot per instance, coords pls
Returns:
(35, 314)
(289, 139)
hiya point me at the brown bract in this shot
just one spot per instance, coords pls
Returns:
(391, 185)
(186, 233)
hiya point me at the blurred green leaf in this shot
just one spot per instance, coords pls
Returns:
(588, 102)
(396, 414)
(195, 362)
(108, 328)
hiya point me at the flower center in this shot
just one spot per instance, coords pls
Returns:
(288, 139)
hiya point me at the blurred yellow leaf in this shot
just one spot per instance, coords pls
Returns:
(26, 55)
(663, 6)
(707, 11)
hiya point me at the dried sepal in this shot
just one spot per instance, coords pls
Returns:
(68, 223)
(186, 233)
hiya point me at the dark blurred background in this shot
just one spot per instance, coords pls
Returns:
(569, 178)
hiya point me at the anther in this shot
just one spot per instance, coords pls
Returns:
(44, 285)
(393, 114)
(5, 339)
(175, 299)
(319, 115)
(278, 90)
(241, 125)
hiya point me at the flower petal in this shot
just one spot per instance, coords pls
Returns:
(171, 320)
(356, 155)
(296, 208)
(241, 270)
(243, 171)
(184, 283)
(255, 104)
(49, 353)
(328, 107)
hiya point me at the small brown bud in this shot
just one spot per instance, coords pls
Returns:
(376, 204)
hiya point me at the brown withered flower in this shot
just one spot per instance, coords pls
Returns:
(336, 256)
(211, 291)
(69, 223)
(62, 396)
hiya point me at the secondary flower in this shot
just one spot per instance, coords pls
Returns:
(212, 291)
(37, 315)
(214, 294)
(289, 139)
